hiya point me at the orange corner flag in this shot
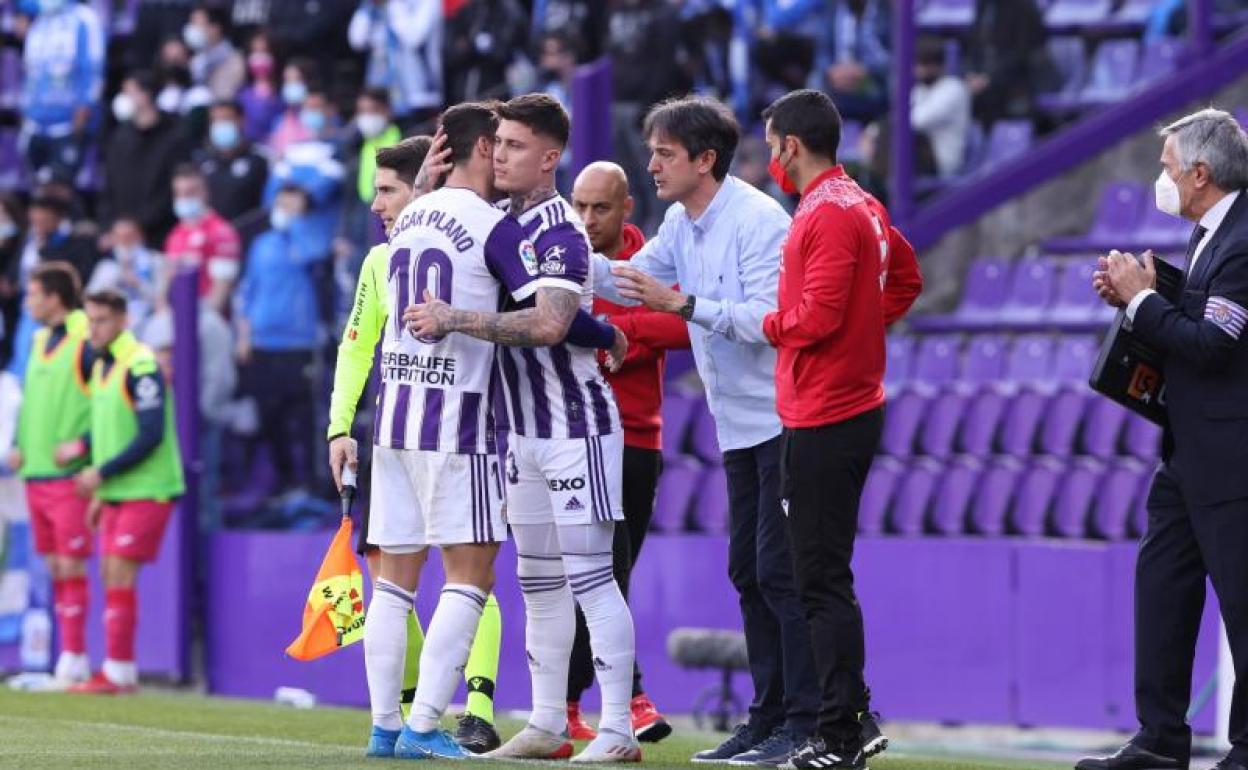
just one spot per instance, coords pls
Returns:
(334, 614)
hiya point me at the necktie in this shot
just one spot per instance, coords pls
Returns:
(1197, 235)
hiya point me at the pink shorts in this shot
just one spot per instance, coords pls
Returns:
(132, 529)
(58, 518)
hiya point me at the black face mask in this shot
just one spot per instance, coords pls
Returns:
(548, 74)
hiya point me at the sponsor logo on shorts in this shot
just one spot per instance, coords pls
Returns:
(566, 485)
(574, 505)
(600, 664)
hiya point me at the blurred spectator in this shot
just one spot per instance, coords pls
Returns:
(217, 379)
(582, 20)
(131, 269)
(310, 28)
(403, 39)
(298, 78)
(749, 164)
(235, 171)
(157, 21)
(139, 159)
(179, 94)
(12, 219)
(202, 239)
(1008, 62)
(278, 334)
(707, 30)
(372, 129)
(49, 236)
(483, 38)
(260, 100)
(313, 165)
(63, 66)
(556, 66)
(940, 107)
(216, 64)
(852, 57)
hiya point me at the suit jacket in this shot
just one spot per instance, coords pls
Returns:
(1206, 366)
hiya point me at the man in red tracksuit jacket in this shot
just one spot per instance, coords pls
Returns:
(601, 197)
(845, 275)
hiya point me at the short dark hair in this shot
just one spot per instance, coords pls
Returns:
(54, 203)
(62, 279)
(465, 124)
(146, 80)
(228, 104)
(405, 158)
(308, 70)
(541, 113)
(109, 298)
(930, 51)
(699, 124)
(188, 171)
(810, 116)
(217, 17)
(376, 94)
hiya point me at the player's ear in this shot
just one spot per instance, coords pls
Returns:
(706, 161)
(551, 160)
(484, 147)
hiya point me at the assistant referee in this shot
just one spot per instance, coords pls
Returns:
(846, 274)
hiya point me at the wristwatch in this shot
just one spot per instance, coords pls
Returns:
(686, 310)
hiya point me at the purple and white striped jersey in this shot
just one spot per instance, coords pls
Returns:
(559, 391)
(436, 392)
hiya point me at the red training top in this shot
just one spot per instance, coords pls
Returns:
(211, 244)
(638, 385)
(846, 274)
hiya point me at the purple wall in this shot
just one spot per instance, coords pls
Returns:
(958, 630)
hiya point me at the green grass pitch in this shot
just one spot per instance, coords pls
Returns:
(185, 732)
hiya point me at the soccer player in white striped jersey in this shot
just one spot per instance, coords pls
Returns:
(564, 462)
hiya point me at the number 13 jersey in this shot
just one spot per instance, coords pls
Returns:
(435, 392)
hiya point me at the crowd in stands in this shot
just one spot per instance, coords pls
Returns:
(236, 139)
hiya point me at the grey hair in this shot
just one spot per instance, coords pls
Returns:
(1215, 138)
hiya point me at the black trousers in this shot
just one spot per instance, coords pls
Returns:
(1184, 544)
(642, 468)
(825, 469)
(281, 383)
(760, 565)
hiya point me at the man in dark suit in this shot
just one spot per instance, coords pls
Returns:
(1198, 502)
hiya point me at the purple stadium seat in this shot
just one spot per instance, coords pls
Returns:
(899, 359)
(1142, 438)
(984, 359)
(983, 368)
(1031, 291)
(937, 361)
(1117, 219)
(703, 440)
(1117, 496)
(710, 505)
(1075, 495)
(1073, 362)
(1164, 234)
(1160, 59)
(1114, 68)
(914, 496)
(994, 495)
(946, 13)
(1070, 57)
(10, 78)
(1076, 302)
(942, 419)
(981, 421)
(1102, 427)
(1074, 357)
(986, 284)
(953, 495)
(677, 486)
(1006, 139)
(677, 412)
(935, 365)
(1076, 13)
(1035, 496)
(1030, 369)
(877, 494)
(1030, 359)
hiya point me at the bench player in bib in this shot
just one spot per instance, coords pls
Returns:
(563, 468)
(436, 478)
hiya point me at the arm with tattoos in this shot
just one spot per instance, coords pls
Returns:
(544, 324)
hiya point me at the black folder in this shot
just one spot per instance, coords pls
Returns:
(1129, 370)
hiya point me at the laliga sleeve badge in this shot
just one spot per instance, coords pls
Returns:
(528, 256)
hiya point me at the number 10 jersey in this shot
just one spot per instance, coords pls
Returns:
(435, 393)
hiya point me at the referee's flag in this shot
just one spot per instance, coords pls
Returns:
(334, 614)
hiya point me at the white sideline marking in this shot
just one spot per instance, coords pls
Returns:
(161, 732)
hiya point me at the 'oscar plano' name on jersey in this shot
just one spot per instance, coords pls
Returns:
(417, 369)
(437, 220)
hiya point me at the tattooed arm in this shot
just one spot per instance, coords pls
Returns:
(542, 325)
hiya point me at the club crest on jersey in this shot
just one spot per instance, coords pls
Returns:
(528, 256)
(552, 261)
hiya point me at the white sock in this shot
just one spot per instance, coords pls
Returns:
(385, 646)
(550, 622)
(121, 672)
(72, 666)
(588, 559)
(448, 640)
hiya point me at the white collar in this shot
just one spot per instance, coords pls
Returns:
(1212, 219)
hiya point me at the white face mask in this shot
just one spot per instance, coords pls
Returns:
(1166, 192)
(123, 107)
(370, 124)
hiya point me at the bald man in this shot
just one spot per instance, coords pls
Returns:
(601, 197)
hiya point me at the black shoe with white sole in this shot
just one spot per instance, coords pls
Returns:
(815, 754)
(874, 741)
(742, 740)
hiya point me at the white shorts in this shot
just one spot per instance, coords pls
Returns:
(422, 498)
(567, 481)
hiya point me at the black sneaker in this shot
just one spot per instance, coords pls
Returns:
(476, 734)
(771, 751)
(874, 741)
(816, 755)
(742, 740)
